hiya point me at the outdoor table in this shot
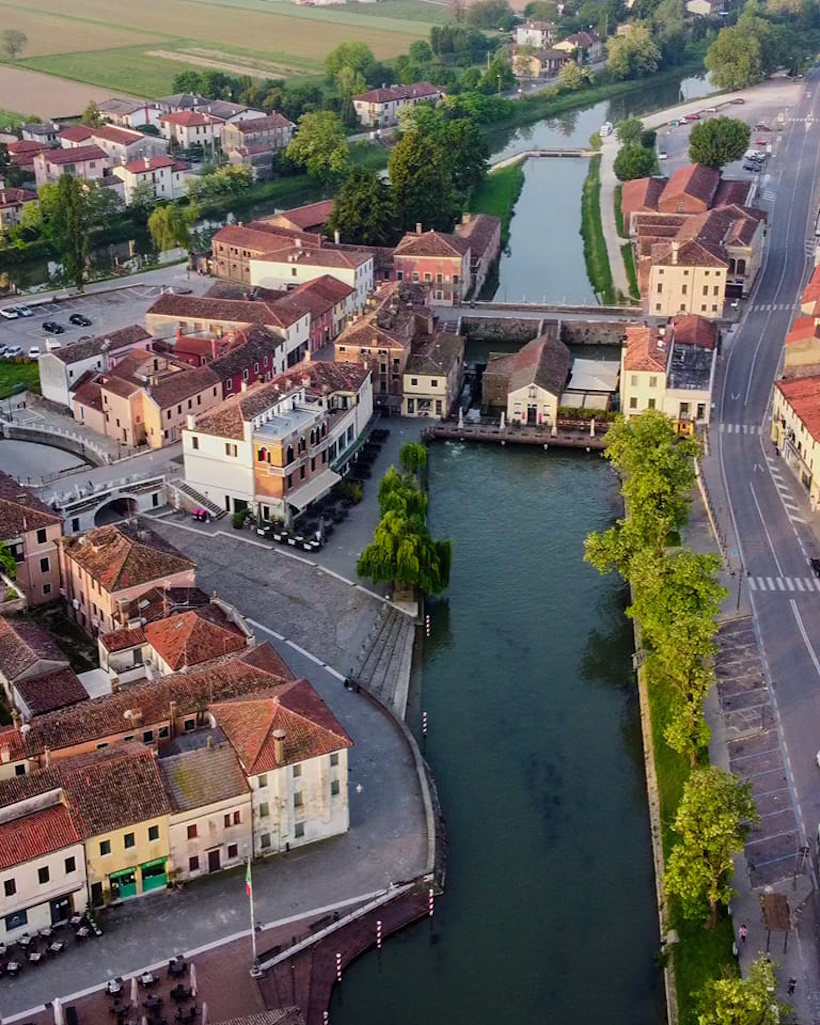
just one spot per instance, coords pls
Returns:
(82, 932)
(118, 1008)
(13, 967)
(46, 933)
(152, 1003)
(75, 919)
(147, 979)
(187, 1013)
(24, 941)
(113, 987)
(181, 993)
(35, 956)
(57, 947)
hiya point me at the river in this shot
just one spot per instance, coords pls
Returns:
(534, 741)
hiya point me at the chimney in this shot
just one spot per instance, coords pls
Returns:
(418, 227)
(337, 237)
(465, 218)
(47, 756)
(675, 248)
(147, 163)
(210, 743)
(190, 421)
(5, 754)
(279, 746)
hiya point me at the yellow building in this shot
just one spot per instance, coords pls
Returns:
(686, 277)
(432, 377)
(796, 430)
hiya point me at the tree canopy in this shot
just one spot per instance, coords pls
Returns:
(749, 1000)
(168, 228)
(718, 141)
(12, 42)
(320, 146)
(492, 14)
(634, 161)
(635, 55)
(629, 132)
(71, 211)
(712, 820)
(358, 57)
(364, 212)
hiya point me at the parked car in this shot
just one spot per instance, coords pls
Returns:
(9, 313)
(692, 117)
(674, 123)
(34, 352)
(79, 320)
(815, 566)
(3, 350)
(710, 110)
(760, 127)
(761, 142)
(663, 156)
(13, 352)
(751, 166)
(23, 310)
(51, 327)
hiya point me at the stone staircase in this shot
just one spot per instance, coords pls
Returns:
(183, 488)
(385, 661)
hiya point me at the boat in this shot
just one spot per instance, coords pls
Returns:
(605, 129)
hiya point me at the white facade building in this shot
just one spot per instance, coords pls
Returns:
(291, 267)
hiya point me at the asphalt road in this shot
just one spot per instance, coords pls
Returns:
(762, 505)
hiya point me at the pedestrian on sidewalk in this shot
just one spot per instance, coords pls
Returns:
(743, 932)
(792, 984)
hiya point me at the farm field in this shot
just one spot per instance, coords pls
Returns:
(31, 93)
(138, 48)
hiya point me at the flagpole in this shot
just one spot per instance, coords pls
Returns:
(253, 921)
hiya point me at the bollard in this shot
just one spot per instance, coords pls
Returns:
(338, 967)
(424, 724)
(431, 900)
(379, 935)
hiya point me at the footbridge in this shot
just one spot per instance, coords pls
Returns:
(534, 154)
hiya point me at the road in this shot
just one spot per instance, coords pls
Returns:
(759, 503)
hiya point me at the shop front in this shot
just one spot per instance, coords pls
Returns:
(154, 874)
(123, 884)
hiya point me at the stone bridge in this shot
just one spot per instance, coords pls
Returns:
(97, 504)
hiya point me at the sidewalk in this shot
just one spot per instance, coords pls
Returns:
(609, 150)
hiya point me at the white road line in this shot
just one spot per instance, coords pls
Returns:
(789, 583)
(770, 582)
(804, 635)
(761, 583)
(752, 584)
(303, 651)
(799, 583)
(781, 586)
(766, 529)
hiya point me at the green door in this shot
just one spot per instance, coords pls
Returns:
(154, 876)
(123, 884)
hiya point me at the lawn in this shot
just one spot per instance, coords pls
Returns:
(12, 374)
(595, 254)
(10, 121)
(498, 194)
(629, 267)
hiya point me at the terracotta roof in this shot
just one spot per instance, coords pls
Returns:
(12, 738)
(317, 257)
(640, 194)
(310, 727)
(435, 354)
(326, 287)
(173, 388)
(263, 124)
(689, 254)
(802, 328)
(646, 350)
(311, 215)
(191, 638)
(112, 788)
(251, 670)
(694, 330)
(695, 180)
(481, 230)
(120, 136)
(399, 92)
(23, 645)
(190, 118)
(811, 293)
(252, 345)
(21, 510)
(236, 291)
(76, 133)
(206, 309)
(121, 640)
(33, 836)
(803, 395)
(51, 691)
(159, 602)
(254, 240)
(182, 101)
(432, 243)
(131, 335)
(88, 394)
(76, 155)
(27, 146)
(205, 776)
(125, 555)
(148, 164)
(731, 192)
(544, 361)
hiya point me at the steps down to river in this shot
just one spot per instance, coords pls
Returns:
(385, 660)
(189, 493)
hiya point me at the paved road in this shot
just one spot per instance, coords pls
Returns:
(758, 502)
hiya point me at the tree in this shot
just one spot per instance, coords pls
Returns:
(669, 27)
(718, 141)
(413, 456)
(493, 14)
(69, 217)
(734, 59)
(635, 55)
(403, 552)
(572, 76)
(753, 1000)
(91, 116)
(320, 146)
(168, 228)
(541, 10)
(364, 212)
(711, 821)
(420, 52)
(398, 492)
(12, 42)
(498, 76)
(143, 200)
(629, 132)
(8, 564)
(634, 162)
(423, 188)
(186, 82)
(356, 56)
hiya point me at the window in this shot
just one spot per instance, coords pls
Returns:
(9, 887)
(46, 588)
(653, 382)
(633, 380)
(229, 385)
(226, 820)
(245, 375)
(660, 287)
(651, 404)
(194, 443)
(42, 875)
(633, 403)
(297, 799)
(237, 818)
(439, 278)
(230, 449)
(147, 736)
(20, 770)
(334, 788)
(434, 383)
(264, 841)
(189, 725)
(193, 863)
(105, 848)
(705, 289)
(41, 537)
(45, 565)
(334, 758)
(263, 780)
(70, 866)
(414, 381)
(233, 851)
(683, 289)
(299, 830)
(428, 276)
(130, 841)
(153, 833)
(16, 920)
(297, 771)
(264, 811)
(715, 290)
(192, 832)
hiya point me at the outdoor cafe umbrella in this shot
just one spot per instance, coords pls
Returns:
(58, 1011)
(193, 979)
(134, 993)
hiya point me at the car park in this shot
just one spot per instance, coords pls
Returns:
(51, 327)
(23, 310)
(34, 352)
(79, 320)
(13, 352)
(9, 313)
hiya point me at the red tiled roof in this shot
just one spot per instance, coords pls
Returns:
(148, 164)
(688, 254)
(191, 638)
(803, 395)
(22, 645)
(120, 136)
(121, 640)
(480, 231)
(77, 155)
(645, 349)
(544, 361)
(811, 293)
(16, 197)
(253, 239)
(432, 243)
(309, 216)
(123, 555)
(51, 691)
(189, 118)
(310, 727)
(399, 92)
(640, 194)
(694, 330)
(172, 389)
(263, 124)
(207, 775)
(76, 133)
(21, 510)
(801, 329)
(695, 180)
(33, 836)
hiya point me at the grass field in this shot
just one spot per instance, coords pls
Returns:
(18, 373)
(595, 254)
(498, 194)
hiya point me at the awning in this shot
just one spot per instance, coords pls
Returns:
(315, 488)
(154, 863)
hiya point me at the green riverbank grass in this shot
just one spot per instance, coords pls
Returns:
(595, 254)
(631, 273)
(619, 214)
(498, 194)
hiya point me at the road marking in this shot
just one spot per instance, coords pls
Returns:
(781, 584)
(804, 635)
(740, 428)
(752, 584)
(799, 584)
(770, 582)
(789, 583)
(766, 530)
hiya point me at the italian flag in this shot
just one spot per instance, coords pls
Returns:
(248, 887)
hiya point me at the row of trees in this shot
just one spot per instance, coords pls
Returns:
(676, 599)
(403, 552)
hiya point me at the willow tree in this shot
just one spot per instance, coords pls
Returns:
(403, 552)
(398, 492)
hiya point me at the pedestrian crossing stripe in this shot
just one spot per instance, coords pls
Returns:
(772, 307)
(768, 195)
(740, 429)
(793, 584)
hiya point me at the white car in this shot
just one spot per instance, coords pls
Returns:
(34, 352)
(9, 313)
(663, 156)
(13, 352)
(23, 310)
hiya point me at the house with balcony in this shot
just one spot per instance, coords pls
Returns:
(31, 531)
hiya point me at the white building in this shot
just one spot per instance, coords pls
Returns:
(42, 865)
(295, 759)
(380, 107)
(165, 175)
(129, 113)
(538, 34)
(296, 265)
(190, 128)
(61, 369)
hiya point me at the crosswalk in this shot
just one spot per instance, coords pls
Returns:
(785, 491)
(802, 120)
(771, 307)
(767, 195)
(740, 428)
(785, 584)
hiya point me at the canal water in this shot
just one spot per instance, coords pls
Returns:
(534, 740)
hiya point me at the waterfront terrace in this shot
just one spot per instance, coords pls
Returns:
(149, 711)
